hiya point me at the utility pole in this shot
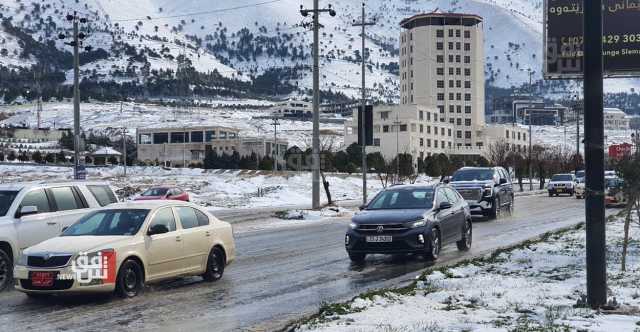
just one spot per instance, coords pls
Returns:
(315, 199)
(76, 43)
(530, 129)
(124, 143)
(396, 124)
(275, 124)
(362, 120)
(594, 155)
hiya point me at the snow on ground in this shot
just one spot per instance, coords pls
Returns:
(106, 118)
(533, 288)
(217, 189)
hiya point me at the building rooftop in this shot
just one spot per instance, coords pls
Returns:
(440, 18)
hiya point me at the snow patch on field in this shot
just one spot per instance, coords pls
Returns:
(534, 288)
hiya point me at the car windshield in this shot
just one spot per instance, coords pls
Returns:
(580, 174)
(117, 222)
(562, 177)
(473, 175)
(403, 199)
(6, 199)
(155, 192)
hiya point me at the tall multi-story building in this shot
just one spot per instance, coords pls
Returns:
(442, 67)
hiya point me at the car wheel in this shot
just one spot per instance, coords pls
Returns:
(6, 270)
(215, 265)
(130, 280)
(495, 209)
(467, 237)
(357, 257)
(435, 245)
(550, 194)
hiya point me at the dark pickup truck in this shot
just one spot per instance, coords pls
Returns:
(488, 190)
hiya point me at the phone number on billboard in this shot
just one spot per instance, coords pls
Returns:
(609, 39)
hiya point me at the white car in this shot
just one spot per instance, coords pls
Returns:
(562, 184)
(124, 246)
(580, 188)
(34, 212)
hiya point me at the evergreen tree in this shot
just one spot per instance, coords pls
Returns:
(50, 158)
(11, 156)
(37, 157)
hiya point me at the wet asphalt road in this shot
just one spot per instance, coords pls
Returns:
(281, 274)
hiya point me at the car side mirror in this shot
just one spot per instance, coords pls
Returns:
(64, 229)
(446, 181)
(362, 207)
(27, 211)
(158, 229)
(503, 181)
(444, 206)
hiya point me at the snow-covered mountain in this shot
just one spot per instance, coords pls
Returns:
(250, 39)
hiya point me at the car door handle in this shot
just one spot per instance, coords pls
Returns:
(207, 233)
(178, 239)
(51, 223)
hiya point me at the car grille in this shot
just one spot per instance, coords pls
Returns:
(51, 261)
(380, 229)
(471, 194)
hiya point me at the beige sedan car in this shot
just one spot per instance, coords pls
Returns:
(123, 246)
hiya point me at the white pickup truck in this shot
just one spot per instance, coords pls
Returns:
(34, 212)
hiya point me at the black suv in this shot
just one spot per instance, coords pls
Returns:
(417, 219)
(488, 190)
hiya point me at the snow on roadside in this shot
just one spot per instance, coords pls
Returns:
(217, 189)
(533, 288)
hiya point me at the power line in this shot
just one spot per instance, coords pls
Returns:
(198, 13)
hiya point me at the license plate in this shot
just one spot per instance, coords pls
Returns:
(42, 279)
(380, 238)
(559, 190)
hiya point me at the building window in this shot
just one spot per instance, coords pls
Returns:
(467, 34)
(439, 46)
(458, 84)
(467, 109)
(451, 83)
(451, 120)
(459, 121)
(452, 108)
(412, 97)
(467, 96)
(384, 115)
(422, 142)
(428, 143)
(145, 139)
(467, 122)
(160, 138)
(458, 109)
(524, 137)
(440, 109)
(411, 61)
(459, 134)
(467, 47)
(421, 115)
(449, 132)
(458, 33)
(177, 138)
(458, 96)
(413, 127)
(422, 128)
(440, 33)
(440, 58)
(440, 71)
(403, 127)
(451, 96)
(458, 72)
(507, 134)
(428, 116)
(385, 129)
(450, 32)
(467, 72)
(435, 143)
(467, 84)
(467, 134)
(458, 59)
(210, 136)
(519, 136)
(451, 58)
(451, 46)
(467, 59)
(458, 46)
(197, 137)
(451, 71)
(376, 142)
(442, 131)
(435, 130)
(440, 96)
(440, 84)
(428, 129)
(223, 135)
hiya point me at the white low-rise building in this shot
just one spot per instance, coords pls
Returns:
(615, 119)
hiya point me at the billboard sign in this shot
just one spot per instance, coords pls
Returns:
(563, 38)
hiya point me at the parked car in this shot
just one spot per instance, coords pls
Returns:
(580, 175)
(147, 242)
(403, 219)
(613, 194)
(580, 188)
(34, 212)
(561, 184)
(160, 193)
(488, 190)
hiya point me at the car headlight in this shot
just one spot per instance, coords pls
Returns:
(353, 225)
(488, 191)
(22, 260)
(418, 223)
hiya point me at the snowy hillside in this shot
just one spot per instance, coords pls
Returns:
(250, 39)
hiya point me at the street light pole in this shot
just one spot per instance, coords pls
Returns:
(594, 155)
(275, 124)
(530, 129)
(397, 127)
(363, 117)
(315, 195)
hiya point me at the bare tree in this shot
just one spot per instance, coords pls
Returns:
(498, 152)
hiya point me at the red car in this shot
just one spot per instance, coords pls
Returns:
(161, 193)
